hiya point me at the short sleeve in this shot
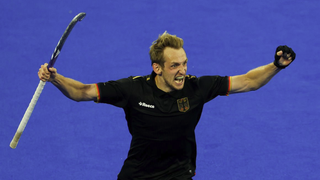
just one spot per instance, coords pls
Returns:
(115, 93)
(212, 86)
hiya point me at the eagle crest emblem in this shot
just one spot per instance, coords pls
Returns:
(183, 104)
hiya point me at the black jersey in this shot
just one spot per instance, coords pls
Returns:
(162, 124)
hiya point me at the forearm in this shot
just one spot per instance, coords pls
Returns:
(260, 76)
(71, 88)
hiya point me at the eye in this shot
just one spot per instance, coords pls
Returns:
(173, 66)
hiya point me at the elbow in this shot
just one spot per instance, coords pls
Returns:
(77, 100)
(255, 86)
(74, 98)
(250, 88)
(86, 93)
(251, 85)
(243, 83)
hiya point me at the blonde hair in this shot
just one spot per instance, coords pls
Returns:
(158, 46)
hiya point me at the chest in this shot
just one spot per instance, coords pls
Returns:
(165, 116)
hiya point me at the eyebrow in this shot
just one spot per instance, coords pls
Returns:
(178, 62)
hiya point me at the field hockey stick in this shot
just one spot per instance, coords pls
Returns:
(41, 84)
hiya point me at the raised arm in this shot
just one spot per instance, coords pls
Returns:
(71, 88)
(258, 77)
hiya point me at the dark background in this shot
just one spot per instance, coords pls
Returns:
(268, 134)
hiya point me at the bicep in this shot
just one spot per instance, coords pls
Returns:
(240, 83)
(89, 92)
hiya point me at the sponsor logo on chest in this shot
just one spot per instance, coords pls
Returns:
(143, 104)
(183, 104)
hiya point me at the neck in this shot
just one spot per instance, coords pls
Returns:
(161, 84)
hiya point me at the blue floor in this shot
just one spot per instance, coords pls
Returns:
(269, 134)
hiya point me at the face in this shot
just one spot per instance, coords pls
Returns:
(172, 75)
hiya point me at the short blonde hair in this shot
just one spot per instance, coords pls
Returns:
(158, 46)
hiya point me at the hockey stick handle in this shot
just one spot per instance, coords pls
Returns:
(27, 115)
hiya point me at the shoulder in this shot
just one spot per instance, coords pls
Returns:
(214, 78)
(213, 81)
(191, 77)
(141, 79)
(137, 81)
(131, 79)
(205, 79)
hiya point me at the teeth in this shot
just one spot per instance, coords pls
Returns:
(179, 79)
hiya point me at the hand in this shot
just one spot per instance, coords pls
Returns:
(283, 57)
(46, 75)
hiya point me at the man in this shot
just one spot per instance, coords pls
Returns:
(163, 109)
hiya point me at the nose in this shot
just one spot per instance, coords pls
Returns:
(183, 69)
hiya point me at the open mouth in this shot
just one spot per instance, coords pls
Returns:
(179, 79)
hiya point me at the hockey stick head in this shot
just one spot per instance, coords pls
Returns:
(63, 38)
(79, 17)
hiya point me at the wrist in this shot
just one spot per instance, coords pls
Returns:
(54, 78)
(278, 65)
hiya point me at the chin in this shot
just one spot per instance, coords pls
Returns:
(179, 88)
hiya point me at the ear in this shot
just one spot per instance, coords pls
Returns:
(157, 68)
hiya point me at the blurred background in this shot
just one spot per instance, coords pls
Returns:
(269, 134)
